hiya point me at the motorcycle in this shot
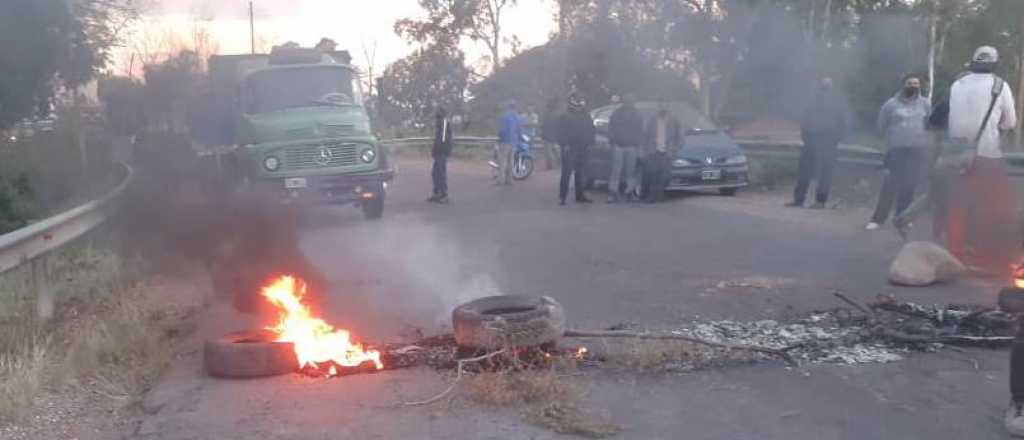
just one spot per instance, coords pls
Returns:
(522, 160)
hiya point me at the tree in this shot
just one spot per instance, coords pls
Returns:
(48, 43)
(448, 22)
(418, 83)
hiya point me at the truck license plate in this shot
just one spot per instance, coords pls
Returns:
(711, 174)
(295, 183)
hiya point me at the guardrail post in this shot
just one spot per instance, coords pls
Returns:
(41, 284)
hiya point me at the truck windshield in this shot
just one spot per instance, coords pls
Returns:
(289, 88)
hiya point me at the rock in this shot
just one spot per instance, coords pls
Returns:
(924, 263)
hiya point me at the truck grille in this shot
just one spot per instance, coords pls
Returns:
(303, 157)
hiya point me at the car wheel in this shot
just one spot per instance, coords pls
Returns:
(373, 208)
(727, 191)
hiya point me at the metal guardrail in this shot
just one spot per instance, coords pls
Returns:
(851, 155)
(32, 243)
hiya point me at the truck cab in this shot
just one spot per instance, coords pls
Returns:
(298, 129)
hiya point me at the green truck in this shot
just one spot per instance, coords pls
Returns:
(291, 125)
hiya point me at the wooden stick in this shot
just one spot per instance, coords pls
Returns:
(783, 353)
(458, 377)
(870, 314)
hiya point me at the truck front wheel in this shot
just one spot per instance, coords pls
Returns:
(373, 208)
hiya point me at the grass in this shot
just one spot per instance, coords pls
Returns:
(551, 400)
(770, 173)
(111, 334)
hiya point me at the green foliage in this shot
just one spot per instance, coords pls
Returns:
(415, 85)
(16, 203)
(49, 40)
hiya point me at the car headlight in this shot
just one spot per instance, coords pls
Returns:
(738, 159)
(368, 155)
(271, 163)
(684, 163)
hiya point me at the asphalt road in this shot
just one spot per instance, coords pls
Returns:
(655, 266)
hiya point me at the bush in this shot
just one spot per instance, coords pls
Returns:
(17, 206)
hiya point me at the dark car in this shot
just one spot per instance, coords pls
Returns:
(708, 160)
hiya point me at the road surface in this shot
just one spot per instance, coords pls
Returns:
(656, 266)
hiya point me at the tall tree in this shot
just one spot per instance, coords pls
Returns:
(448, 22)
(418, 83)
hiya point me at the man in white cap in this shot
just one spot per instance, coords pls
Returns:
(982, 213)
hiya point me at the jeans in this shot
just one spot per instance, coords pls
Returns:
(656, 176)
(623, 167)
(817, 160)
(439, 175)
(1017, 367)
(505, 152)
(574, 162)
(904, 170)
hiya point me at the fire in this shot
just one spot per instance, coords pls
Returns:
(1018, 277)
(316, 342)
(581, 352)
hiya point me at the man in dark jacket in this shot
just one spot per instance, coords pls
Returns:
(549, 132)
(441, 150)
(576, 135)
(824, 124)
(664, 135)
(626, 135)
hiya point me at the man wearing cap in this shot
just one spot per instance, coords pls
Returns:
(576, 134)
(982, 225)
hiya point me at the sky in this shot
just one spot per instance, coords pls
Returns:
(354, 24)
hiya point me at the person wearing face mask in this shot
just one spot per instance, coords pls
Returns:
(903, 122)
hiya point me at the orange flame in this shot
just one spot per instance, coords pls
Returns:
(316, 341)
(581, 352)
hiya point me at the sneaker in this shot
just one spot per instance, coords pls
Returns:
(872, 226)
(433, 198)
(443, 199)
(794, 205)
(818, 206)
(1015, 419)
(561, 202)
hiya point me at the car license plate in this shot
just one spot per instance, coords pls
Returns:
(711, 174)
(295, 183)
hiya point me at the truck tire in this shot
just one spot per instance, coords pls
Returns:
(497, 322)
(373, 209)
(249, 354)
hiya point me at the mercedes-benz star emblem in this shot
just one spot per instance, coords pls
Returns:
(325, 156)
(710, 161)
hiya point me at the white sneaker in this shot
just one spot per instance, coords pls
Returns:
(1015, 420)
(873, 226)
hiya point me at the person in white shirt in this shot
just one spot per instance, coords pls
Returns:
(983, 227)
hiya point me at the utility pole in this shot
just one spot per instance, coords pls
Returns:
(252, 28)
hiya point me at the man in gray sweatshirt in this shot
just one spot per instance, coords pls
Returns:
(903, 122)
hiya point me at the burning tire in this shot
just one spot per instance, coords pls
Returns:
(249, 354)
(508, 321)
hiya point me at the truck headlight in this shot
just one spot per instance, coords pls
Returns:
(368, 155)
(679, 163)
(739, 159)
(271, 163)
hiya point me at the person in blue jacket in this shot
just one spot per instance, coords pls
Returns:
(510, 133)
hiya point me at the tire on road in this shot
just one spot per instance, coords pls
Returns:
(249, 354)
(497, 322)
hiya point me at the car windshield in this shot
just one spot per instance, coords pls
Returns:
(692, 120)
(276, 90)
